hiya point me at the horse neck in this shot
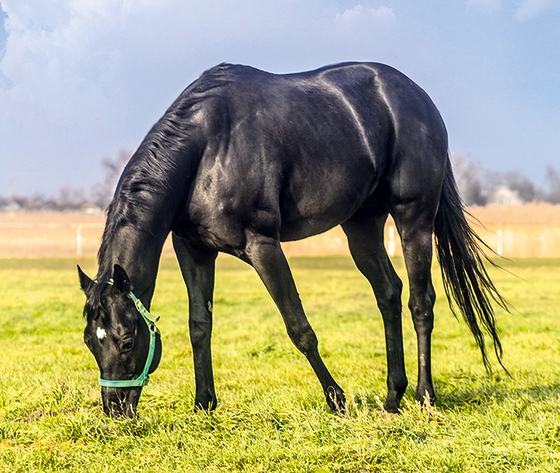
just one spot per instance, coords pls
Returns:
(137, 248)
(148, 198)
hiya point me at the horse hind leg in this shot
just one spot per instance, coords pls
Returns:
(267, 257)
(415, 225)
(365, 238)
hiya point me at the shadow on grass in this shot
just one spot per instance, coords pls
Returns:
(453, 398)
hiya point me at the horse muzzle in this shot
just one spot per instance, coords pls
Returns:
(120, 402)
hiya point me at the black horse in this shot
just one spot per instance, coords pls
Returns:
(245, 159)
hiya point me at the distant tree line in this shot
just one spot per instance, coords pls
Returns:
(477, 186)
(71, 198)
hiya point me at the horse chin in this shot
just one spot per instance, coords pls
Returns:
(120, 403)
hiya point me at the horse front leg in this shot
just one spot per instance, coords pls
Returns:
(267, 257)
(198, 269)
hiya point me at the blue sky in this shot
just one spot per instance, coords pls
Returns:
(80, 79)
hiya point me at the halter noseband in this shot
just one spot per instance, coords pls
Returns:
(143, 379)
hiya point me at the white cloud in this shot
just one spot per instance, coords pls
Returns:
(61, 49)
(360, 16)
(530, 9)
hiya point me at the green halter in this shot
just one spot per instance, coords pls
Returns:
(143, 379)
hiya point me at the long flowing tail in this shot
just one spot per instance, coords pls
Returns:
(461, 256)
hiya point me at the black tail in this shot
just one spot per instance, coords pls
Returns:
(461, 256)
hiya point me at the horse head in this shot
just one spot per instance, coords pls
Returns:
(123, 338)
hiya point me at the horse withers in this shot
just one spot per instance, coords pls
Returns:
(244, 159)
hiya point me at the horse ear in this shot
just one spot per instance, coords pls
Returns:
(121, 279)
(86, 283)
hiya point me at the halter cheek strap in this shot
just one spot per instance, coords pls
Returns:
(143, 379)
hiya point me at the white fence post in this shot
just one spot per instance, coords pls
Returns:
(500, 243)
(391, 245)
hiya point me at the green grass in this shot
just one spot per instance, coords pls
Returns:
(272, 415)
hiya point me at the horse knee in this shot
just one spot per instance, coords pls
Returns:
(389, 302)
(200, 332)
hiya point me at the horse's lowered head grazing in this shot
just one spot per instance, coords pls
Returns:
(123, 338)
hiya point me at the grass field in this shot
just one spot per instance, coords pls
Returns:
(272, 416)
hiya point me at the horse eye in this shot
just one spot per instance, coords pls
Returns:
(127, 345)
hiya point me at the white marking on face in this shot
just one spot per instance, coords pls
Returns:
(101, 333)
(209, 306)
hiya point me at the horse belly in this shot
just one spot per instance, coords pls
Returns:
(321, 206)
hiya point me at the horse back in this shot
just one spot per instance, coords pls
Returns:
(294, 155)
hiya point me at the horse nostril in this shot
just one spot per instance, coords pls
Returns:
(117, 410)
(112, 410)
(130, 412)
(114, 404)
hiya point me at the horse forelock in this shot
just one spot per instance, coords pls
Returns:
(94, 305)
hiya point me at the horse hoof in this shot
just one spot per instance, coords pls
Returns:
(425, 397)
(205, 405)
(336, 399)
(393, 403)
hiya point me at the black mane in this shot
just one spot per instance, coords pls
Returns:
(148, 170)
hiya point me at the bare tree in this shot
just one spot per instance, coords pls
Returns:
(69, 198)
(26, 202)
(468, 181)
(553, 184)
(103, 192)
(525, 188)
